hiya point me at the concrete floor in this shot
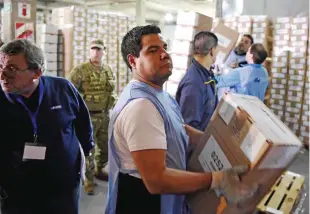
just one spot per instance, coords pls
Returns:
(96, 204)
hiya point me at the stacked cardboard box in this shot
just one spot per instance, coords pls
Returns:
(231, 22)
(242, 131)
(262, 32)
(72, 22)
(48, 17)
(103, 29)
(244, 25)
(122, 76)
(91, 29)
(40, 19)
(60, 54)
(305, 115)
(113, 42)
(279, 70)
(47, 40)
(297, 72)
(188, 25)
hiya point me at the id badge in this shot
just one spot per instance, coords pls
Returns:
(34, 151)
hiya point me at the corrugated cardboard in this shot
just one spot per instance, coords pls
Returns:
(242, 131)
(227, 39)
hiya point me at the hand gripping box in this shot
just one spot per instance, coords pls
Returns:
(242, 131)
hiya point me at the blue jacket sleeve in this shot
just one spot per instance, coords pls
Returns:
(230, 79)
(191, 104)
(83, 125)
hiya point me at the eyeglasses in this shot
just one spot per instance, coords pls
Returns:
(11, 73)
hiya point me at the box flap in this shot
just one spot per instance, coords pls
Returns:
(272, 128)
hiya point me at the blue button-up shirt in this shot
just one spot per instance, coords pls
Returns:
(252, 79)
(196, 96)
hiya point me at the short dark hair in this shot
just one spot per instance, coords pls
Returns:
(259, 53)
(249, 37)
(131, 43)
(204, 41)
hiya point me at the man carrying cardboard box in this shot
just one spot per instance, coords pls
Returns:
(148, 142)
(252, 79)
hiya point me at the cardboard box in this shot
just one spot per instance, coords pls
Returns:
(242, 131)
(194, 19)
(227, 39)
(182, 47)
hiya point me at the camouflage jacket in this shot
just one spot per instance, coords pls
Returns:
(96, 85)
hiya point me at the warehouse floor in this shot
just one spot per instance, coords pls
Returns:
(96, 204)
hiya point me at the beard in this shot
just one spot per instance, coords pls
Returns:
(239, 50)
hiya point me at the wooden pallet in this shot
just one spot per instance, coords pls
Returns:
(283, 195)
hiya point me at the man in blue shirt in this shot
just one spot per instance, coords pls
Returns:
(196, 92)
(43, 126)
(252, 79)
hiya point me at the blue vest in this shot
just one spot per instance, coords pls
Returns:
(177, 143)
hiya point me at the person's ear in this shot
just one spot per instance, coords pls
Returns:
(37, 73)
(131, 60)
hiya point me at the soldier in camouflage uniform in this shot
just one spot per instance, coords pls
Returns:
(96, 83)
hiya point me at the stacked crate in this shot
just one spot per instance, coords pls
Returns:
(262, 32)
(231, 22)
(244, 25)
(103, 29)
(188, 25)
(91, 30)
(72, 22)
(112, 43)
(47, 40)
(48, 17)
(40, 19)
(60, 55)
(123, 74)
(297, 72)
(305, 116)
(279, 70)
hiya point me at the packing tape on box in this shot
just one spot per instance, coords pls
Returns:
(299, 38)
(281, 59)
(283, 20)
(279, 70)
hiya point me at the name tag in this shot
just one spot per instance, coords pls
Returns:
(34, 152)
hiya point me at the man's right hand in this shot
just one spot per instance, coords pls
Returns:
(229, 184)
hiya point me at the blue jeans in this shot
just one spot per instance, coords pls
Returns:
(62, 202)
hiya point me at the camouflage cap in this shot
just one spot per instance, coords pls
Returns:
(98, 43)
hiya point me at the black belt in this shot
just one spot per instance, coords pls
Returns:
(95, 112)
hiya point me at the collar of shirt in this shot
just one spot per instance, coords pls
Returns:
(202, 70)
(253, 65)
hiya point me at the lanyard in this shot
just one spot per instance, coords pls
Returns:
(33, 115)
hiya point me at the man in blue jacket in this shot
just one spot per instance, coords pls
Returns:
(196, 92)
(251, 79)
(43, 123)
